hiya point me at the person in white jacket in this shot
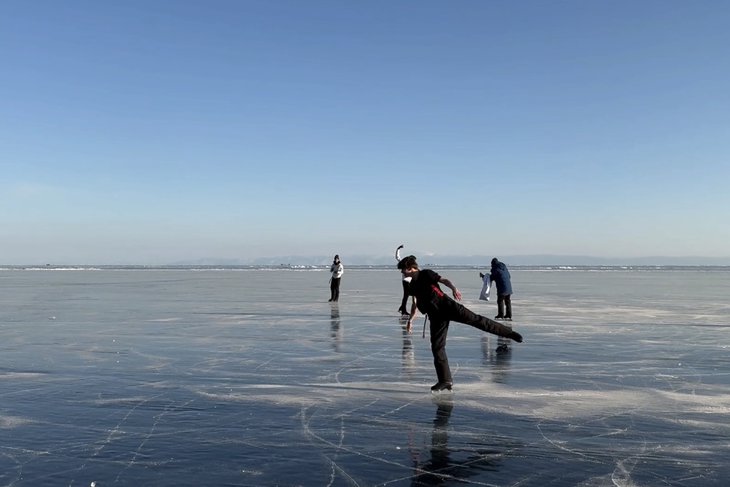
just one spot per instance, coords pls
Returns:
(337, 269)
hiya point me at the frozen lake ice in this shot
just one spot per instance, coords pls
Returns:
(251, 378)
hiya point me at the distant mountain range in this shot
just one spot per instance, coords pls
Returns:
(469, 260)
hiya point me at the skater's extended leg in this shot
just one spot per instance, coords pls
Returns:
(462, 314)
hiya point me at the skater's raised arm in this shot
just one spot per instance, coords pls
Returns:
(450, 285)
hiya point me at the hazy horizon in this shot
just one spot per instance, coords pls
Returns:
(443, 260)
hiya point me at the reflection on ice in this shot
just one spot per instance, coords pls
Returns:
(447, 463)
(497, 357)
(336, 326)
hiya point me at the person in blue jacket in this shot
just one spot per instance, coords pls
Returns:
(501, 279)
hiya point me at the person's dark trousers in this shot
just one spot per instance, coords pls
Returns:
(450, 310)
(335, 289)
(504, 305)
(404, 301)
(439, 327)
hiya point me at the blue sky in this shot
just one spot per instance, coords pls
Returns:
(159, 131)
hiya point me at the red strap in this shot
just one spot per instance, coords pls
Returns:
(438, 291)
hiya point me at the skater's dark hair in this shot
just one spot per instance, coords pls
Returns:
(408, 262)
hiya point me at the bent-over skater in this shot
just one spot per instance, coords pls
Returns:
(404, 300)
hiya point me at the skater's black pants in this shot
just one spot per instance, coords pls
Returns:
(335, 289)
(450, 310)
(504, 301)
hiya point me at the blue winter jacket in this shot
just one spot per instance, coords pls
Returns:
(501, 278)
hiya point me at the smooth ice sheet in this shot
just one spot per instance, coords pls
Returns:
(182, 377)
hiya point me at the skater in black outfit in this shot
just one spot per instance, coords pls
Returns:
(403, 310)
(501, 279)
(429, 299)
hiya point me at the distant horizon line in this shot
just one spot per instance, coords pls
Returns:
(432, 259)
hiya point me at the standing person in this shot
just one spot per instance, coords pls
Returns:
(431, 300)
(403, 311)
(501, 278)
(337, 269)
